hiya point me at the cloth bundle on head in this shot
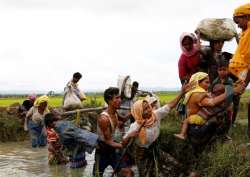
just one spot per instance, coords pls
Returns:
(240, 63)
(137, 112)
(151, 99)
(184, 50)
(196, 89)
(242, 10)
(40, 100)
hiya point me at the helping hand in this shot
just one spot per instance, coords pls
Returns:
(186, 87)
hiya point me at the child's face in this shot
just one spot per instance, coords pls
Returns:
(52, 124)
(223, 72)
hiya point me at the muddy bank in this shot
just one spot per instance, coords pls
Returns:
(11, 127)
(11, 123)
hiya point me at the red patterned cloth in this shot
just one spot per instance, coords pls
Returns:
(188, 66)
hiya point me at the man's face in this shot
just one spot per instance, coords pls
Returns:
(76, 79)
(116, 101)
(218, 45)
(241, 21)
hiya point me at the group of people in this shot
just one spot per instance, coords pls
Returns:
(211, 88)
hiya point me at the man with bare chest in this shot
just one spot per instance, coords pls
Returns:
(110, 137)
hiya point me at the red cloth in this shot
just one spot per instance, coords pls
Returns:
(52, 136)
(53, 140)
(188, 65)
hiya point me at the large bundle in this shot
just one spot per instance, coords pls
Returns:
(71, 101)
(124, 84)
(217, 29)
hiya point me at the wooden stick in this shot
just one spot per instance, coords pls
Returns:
(116, 170)
(91, 110)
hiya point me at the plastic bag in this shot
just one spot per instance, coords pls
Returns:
(71, 101)
(124, 85)
(217, 29)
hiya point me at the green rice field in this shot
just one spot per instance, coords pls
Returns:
(56, 101)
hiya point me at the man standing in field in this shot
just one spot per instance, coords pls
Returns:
(73, 96)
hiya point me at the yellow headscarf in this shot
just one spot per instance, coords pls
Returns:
(136, 111)
(196, 89)
(40, 100)
(240, 62)
(242, 10)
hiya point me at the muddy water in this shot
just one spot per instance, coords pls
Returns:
(20, 160)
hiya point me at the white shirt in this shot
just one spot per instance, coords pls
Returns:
(153, 132)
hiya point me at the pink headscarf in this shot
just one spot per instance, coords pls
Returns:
(194, 49)
(32, 97)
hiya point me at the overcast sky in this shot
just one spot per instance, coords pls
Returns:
(43, 42)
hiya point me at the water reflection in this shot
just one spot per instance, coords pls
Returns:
(18, 159)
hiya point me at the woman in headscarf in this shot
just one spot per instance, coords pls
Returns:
(148, 121)
(196, 99)
(190, 58)
(35, 121)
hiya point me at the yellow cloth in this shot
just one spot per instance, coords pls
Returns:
(242, 10)
(196, 89)
(240, 62)
(40, 100)
(196, 119)
(137, 111)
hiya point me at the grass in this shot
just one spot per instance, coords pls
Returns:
(221, 160)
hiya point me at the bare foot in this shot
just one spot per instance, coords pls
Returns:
(193, 174)
(180, 136)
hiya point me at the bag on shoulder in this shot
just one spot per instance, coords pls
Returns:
(71, 101)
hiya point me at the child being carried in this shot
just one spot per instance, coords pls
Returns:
(205, 113)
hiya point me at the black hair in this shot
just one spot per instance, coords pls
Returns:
(77, 75)
(227, 56)
(110, 92)
(212, 42)
(135, 84)
(222, 63)
(49, 118)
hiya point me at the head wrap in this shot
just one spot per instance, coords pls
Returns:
(184, 50)
(137, 111)
(40, 100)
(240, 63)
(196, 89)
(242, 10)
(151, 99)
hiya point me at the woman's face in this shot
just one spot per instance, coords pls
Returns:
(187, 43)
(146, 110)
(43, 106)
(204, 83)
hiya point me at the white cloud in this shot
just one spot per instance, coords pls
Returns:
(44, 42)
